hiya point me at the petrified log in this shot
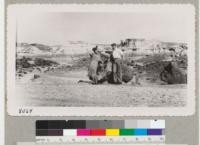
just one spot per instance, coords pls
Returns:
(127, 73)
(173, 75)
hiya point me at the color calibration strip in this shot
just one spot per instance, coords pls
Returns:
(91, 131)
(99, 132)
(99, 127)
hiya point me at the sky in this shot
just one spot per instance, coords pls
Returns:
(57, 28)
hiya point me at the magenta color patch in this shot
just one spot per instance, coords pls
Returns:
(83, 132)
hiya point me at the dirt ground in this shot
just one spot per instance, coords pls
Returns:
(62, 89)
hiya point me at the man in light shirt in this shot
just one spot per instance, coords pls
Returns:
(117, 55)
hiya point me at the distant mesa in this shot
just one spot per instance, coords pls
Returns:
(42, 47)
(79, 47)
(151, 46)
(38, 49)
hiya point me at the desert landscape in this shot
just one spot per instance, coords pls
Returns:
(50, 75)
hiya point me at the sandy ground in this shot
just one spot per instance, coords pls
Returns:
(63, 89)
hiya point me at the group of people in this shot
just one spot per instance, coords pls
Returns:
(98, 70)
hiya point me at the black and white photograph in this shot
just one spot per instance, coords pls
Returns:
(102, 59)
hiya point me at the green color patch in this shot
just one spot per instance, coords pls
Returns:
(126, 132)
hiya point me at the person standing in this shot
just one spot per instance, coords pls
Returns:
(117, 55)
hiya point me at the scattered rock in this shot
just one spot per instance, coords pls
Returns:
(35, 76)
(173, 75)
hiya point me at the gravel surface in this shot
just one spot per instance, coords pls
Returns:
(63, 89)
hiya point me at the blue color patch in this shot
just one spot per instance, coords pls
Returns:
(140, 131)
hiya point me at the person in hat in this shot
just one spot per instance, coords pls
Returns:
(117, 56)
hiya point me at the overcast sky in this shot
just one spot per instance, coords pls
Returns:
(57, 28)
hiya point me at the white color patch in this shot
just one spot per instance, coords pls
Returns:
(157, 124)
(70, 132)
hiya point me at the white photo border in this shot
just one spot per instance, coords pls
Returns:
(13, 110)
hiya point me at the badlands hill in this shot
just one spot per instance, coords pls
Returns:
(81, 47)
(72, 47)
(26, 49)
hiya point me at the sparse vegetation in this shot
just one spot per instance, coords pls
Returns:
(43, 62)
(26, 62)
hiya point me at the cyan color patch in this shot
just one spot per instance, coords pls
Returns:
(140, 131)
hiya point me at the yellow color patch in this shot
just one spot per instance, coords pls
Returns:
(112, 132)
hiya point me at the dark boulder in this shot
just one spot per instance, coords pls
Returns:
(127, 73)
(172, 74)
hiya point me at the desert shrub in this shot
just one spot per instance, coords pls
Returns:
(81, 62)
(43, 62)
(23, 62)
(152, 58)
(182, 61)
